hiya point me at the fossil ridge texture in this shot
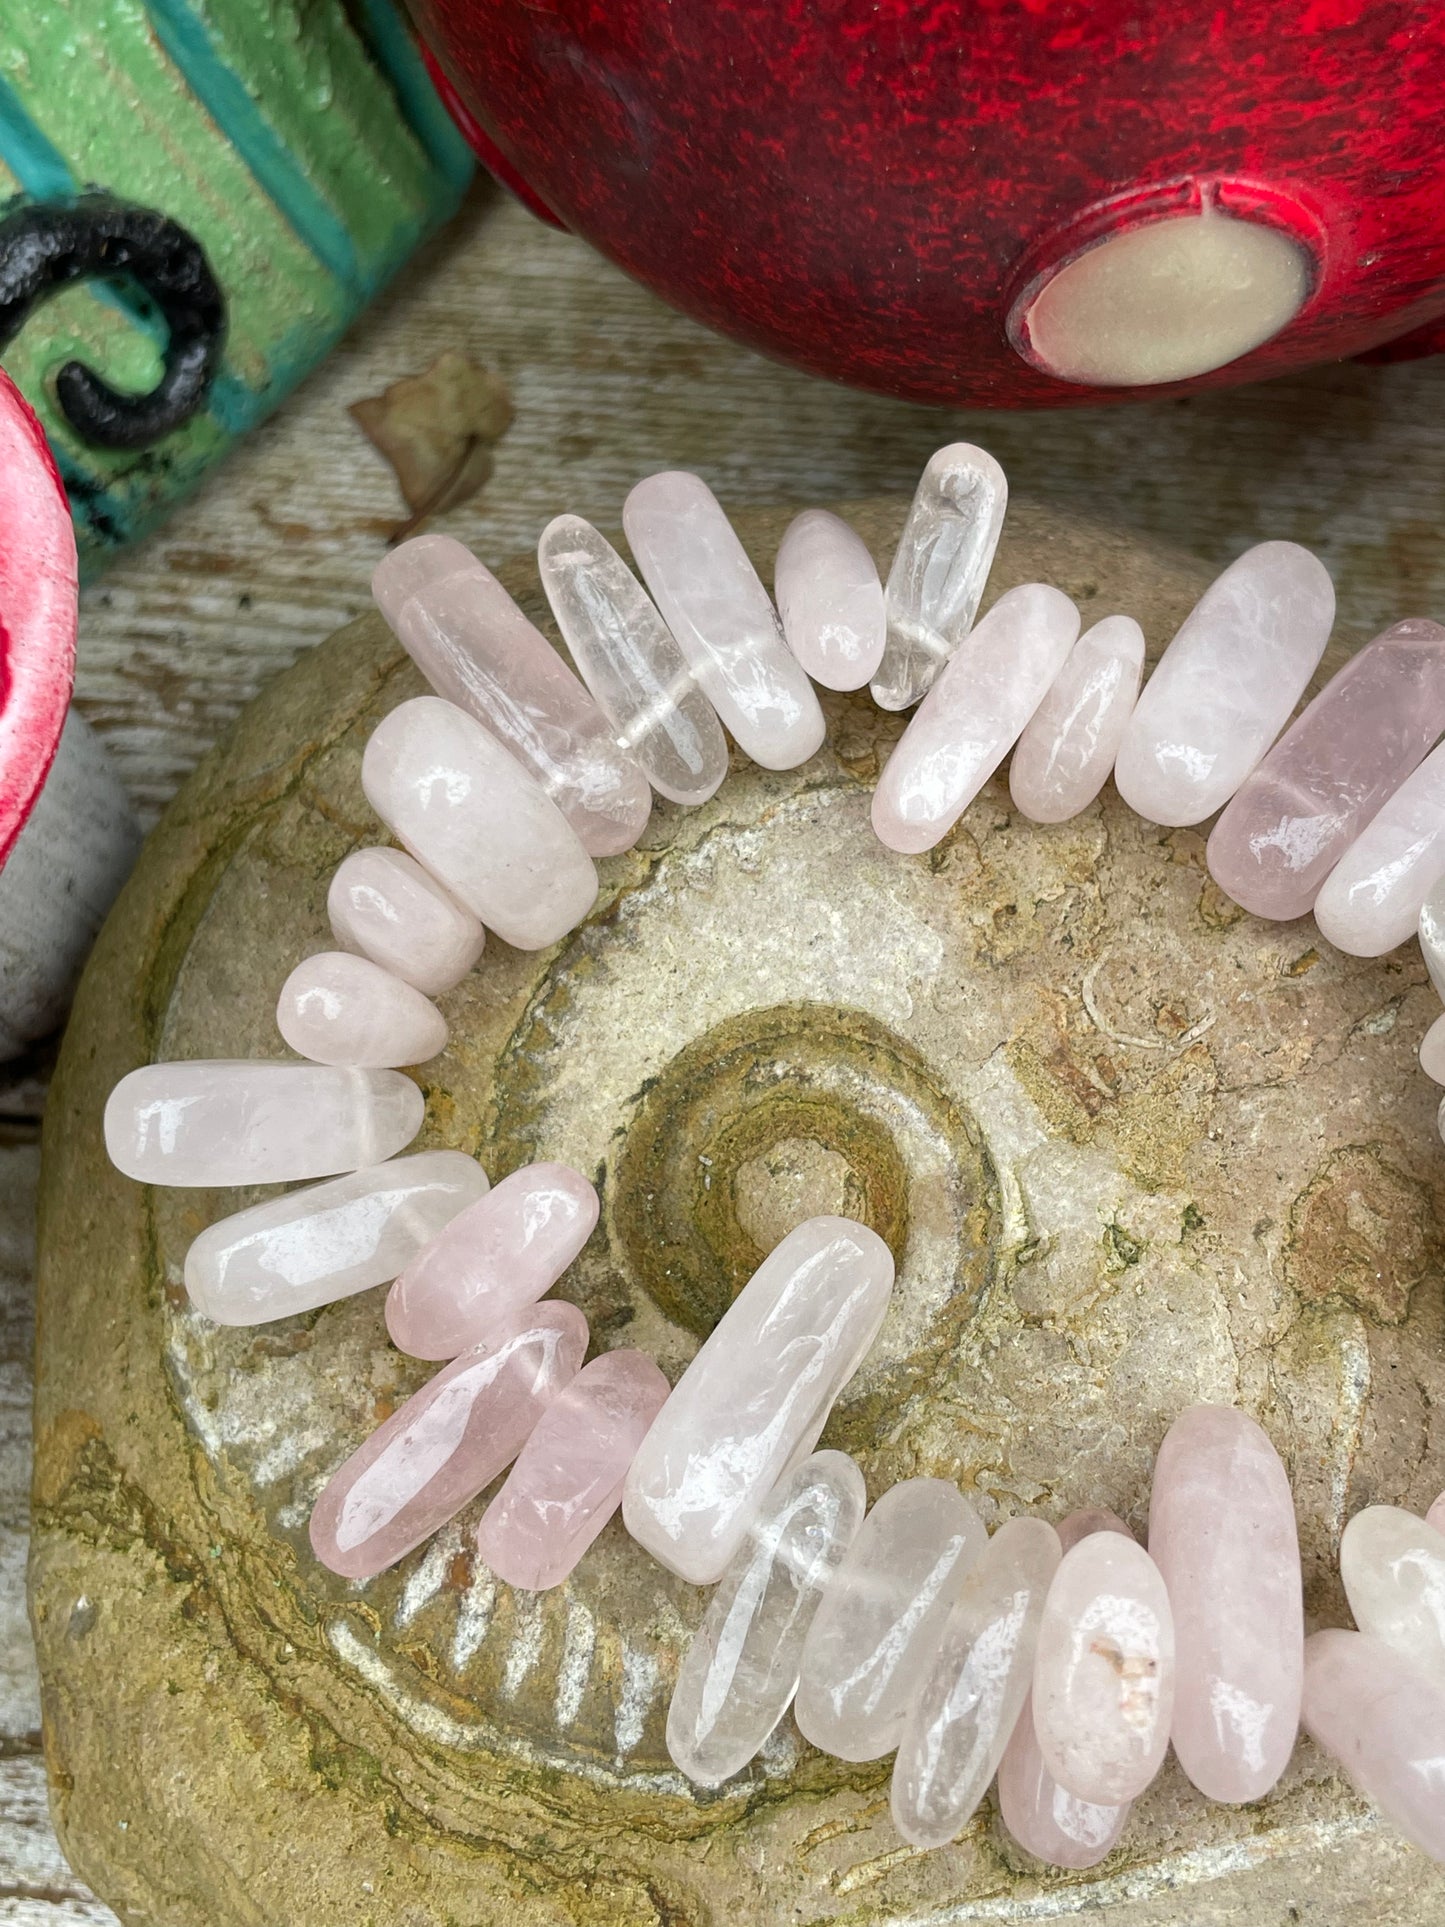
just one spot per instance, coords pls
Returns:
(1130, 1147)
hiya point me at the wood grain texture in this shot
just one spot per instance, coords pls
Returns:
(277, 548)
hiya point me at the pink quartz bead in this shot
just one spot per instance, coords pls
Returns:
(1103, 1687)
(495, 1257)
(467, 810)
(1225, 686)
(708, 593)
(448, 1442)
(971, 717)
(1372, 899)
(1383, 1721)
(1048, 1821)
(1292, 820)
(1064, 756)
(567, 1481)
(383, 904)
(830, 600)
(476, 648)
(1222, 1531)
(338, 1009)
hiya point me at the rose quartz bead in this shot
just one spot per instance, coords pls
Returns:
(872, 1639)
(383, 904)
(757, 1394)
(970, 718)
(739, 1673)
(500, 1255)
(222, 1121)
(1291, 821)
(476, 648)
(1393, 1568)
(1225, 686)
(1044, 1818)
(338, 1009)
(1431, 930)
(964, 1716)
(567, 1481)
(830, 600)
(327, 1241)
(1383, 1721)
(1436, 1514)
(629, 659)
(1432, 1051)
(1090, 1518)
(712, 601)
(1103, 1687)
(448, 1442)
(1222, 1532)
(1064, 756)
(1372, 898)
(939, 569)
(472, 816)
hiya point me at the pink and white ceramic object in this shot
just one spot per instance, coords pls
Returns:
(65, 847)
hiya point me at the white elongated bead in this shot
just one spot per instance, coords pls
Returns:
(328, 1241)
(1383, 1721)
(1103, 1688)
(1431, 931)
(339, 1009)
(629, 659)
(1435, 1514)
(477, 649)
(972, 715)
(471, 814)
(1393, 1568)
(383, 904)
(1222, 1531)
(872, 1639)
(960, 1724)
(1067, 749)
(740, 1671)
(756, 1395)
(939, 569)
(1372, 899)
(1045, 1819)
(1225, 686)
(712, 601)
(220, 1121)
(830, 600)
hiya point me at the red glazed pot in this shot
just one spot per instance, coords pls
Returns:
(888, 191)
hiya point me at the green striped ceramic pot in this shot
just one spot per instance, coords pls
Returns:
(297, 143)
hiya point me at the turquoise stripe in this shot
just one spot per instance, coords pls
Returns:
(39, 167)
(395, 52)
(189, 43)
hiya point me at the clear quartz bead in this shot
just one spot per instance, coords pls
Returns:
(740, 1672)
(975, 1690)
(629, 659)
(939, 570)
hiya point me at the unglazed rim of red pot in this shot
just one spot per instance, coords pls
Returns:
(38, 604)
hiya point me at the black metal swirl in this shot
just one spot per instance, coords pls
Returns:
(44, 246)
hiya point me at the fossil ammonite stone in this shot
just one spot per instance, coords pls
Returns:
(1131, 1148)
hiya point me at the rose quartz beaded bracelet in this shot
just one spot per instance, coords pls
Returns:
(1064, 1660)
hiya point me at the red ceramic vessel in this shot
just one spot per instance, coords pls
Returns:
(37, 610)
(878, 189)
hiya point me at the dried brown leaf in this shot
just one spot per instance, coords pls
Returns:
(436, 429)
